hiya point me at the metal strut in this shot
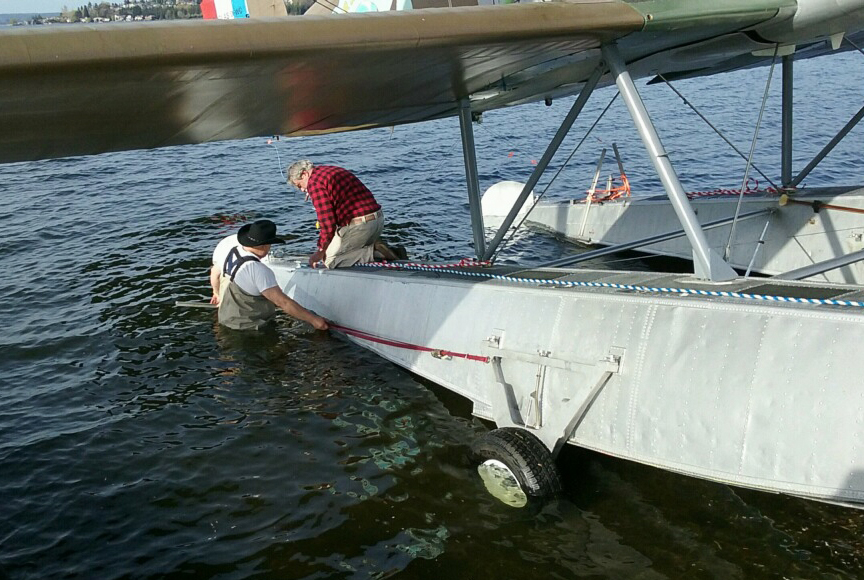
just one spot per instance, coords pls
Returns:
(821, 267)
(591, 191)
(581, 412)
(786, 122)
(592, 254)
(827, 149)
(471, 177)
(554, 177)
(707, 264)
(551, 149)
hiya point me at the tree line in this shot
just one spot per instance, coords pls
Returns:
(151, 10)
(145, 10)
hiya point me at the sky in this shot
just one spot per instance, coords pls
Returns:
(47, 6)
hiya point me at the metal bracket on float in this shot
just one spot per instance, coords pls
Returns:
(505, 409)
(557, 425)
(612, 363)
(581, 412)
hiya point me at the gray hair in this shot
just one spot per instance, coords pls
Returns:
(298, 167)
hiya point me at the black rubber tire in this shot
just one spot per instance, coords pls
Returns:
(529, 460)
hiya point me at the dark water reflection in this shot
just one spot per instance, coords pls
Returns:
(141, 440)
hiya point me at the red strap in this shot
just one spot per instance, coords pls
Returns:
(436, 352)
(751, 188)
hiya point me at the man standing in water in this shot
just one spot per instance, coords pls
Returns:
(247, 292)
(351, 220)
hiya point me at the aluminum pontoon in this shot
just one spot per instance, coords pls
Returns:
(738, 380)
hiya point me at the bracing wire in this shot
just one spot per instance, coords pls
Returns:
(858, 48)
(554, 177)
(728, 250)
(278, 157)
(714, 128)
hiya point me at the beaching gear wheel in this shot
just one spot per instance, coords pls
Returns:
(516, 467)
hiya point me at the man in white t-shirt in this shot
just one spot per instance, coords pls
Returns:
(249, 291)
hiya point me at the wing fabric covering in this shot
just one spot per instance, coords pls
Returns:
(86, 89)
(73, 90)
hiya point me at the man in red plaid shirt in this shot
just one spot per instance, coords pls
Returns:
(351, 220)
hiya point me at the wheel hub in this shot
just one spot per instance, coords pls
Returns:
(502, 483)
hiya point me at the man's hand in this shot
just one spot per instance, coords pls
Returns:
(319, 323)
(316, 257)
(215, 282)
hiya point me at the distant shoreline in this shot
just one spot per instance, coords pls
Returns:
(24, 16)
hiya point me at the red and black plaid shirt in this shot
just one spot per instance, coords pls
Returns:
(338, 197)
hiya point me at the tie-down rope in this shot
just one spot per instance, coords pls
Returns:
(436, 352)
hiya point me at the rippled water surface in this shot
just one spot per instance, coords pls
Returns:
(141, 440)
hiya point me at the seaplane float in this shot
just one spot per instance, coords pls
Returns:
(780, 229)
(753, 382)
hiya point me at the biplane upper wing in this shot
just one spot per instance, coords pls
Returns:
(85, 89)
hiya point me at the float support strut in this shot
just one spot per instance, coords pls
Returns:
(551, 149)
(707, 263)
(786, 123)
(471, 177)
(827, 149)
(592, 254)
(580, 413)
(821, 267)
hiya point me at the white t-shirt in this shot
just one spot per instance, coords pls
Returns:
(253, 277)
(222, 249)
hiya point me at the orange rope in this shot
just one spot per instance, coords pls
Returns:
(601, 195)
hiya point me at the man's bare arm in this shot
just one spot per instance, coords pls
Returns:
(215, 278)
(291, 308)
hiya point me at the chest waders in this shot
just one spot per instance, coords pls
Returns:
(238, 309)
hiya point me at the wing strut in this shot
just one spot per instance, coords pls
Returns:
(471, 177)
(551, 149)
(707, 263)
(786, 122)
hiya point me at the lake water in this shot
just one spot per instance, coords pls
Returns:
(141, 440)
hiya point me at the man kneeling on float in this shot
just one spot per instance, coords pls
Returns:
(248, 288)
(348, 215)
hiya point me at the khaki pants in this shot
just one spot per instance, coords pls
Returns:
(353, 244)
